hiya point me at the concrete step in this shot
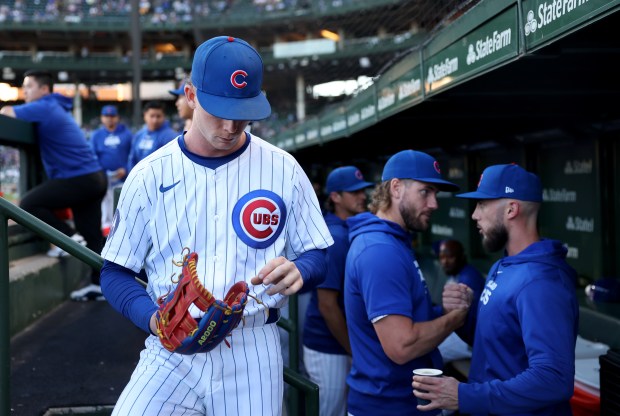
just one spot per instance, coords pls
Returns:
(24, 243)
(38, 284)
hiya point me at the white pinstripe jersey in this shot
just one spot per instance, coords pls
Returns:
(257, 206)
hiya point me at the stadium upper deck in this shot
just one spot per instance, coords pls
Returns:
(91, 39)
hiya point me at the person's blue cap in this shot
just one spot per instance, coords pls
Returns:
(347, 179)
(228, 75)
(178, 91)
(507, 181)
(412, 164)
(109, 110)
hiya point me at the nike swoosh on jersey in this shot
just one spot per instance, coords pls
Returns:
(163, 188)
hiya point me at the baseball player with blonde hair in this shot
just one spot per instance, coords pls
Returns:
(392, 327)
(248, 211)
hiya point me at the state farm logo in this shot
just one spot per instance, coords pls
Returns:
(258, 218)
(531, 24)
(555, 10)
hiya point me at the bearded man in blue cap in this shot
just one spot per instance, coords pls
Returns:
(526, 323)
(248, 211)
(387, 303)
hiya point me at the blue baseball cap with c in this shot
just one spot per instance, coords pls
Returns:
(412, 164)
(228, 75)
(507, 181)
(347, 179)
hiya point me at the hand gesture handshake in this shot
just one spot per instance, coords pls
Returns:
(456, 296)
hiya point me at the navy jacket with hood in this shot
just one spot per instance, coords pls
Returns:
(523, 360)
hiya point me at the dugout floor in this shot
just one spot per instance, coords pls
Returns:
(75, 360)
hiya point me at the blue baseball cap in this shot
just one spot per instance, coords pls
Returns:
(412, 164)
(178, 91)
(507, 181)
(347, 179)
(109, 110)
(228, 74)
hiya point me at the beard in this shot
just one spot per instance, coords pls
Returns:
(411, 218)
(495, 238)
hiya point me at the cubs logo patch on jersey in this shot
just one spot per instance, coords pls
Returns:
(258, 218)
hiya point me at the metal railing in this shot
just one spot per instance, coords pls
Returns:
(9, 211)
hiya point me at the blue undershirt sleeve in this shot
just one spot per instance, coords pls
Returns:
(125, 294)
(312, 265)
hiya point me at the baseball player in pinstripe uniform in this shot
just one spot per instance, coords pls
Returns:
(250, 213)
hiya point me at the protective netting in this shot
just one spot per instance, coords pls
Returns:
(372, 34)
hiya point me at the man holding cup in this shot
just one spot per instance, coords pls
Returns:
(426, 372)
(523, 358)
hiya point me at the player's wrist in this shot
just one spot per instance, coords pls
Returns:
(153, 324)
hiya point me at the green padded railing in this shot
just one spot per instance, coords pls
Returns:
(9, 210)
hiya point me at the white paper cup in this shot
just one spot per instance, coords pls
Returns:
(427, 372)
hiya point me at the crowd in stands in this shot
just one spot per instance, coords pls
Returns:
(153, 11)
(9, 172)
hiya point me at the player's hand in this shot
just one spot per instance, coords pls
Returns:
(443, 392)
(456, 296)
(119, 173)
(281, 276)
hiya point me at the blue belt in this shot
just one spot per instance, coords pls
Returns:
(274, 316)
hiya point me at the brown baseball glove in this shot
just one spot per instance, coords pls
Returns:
(179, 332)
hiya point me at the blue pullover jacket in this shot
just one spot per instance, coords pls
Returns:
(523, 360)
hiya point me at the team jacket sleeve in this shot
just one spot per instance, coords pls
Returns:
(33, 111)
(127, 295)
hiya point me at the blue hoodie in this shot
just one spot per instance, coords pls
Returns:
(523, 360)
(382, 277)
(146, 142)
(112, 148)
(65, 152)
